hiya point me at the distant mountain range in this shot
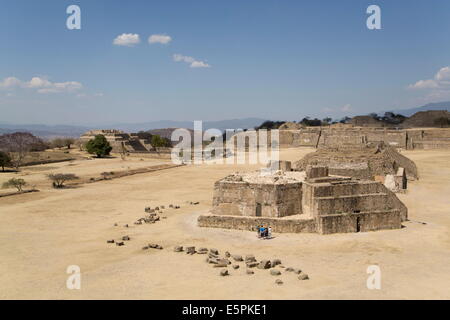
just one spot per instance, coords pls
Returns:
(445, 105)
(44, 131)
(52, 131)
(222, 125)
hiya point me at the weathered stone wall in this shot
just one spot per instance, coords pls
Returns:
(327, 224)
(355, 170)
(242, 199)
(347, 197)
(299, 138)
(432, 138)
(283, 225)
(429, 139)
(359, 222)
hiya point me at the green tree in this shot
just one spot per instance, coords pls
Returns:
(158, 141)
(16, 183)
(5, 160)
(99, 146)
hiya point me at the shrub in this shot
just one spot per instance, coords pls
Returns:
(58, 179)
(15, 183)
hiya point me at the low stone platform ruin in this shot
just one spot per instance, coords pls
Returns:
(311, 201)
(125, 142)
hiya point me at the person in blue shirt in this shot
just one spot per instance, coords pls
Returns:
(262, 231)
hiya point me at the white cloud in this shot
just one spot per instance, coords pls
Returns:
(191, 61)
(199, 64)
(127, 39)
(440, 81)
(10, 82)
(443, 74)
(41, 85)
(37, 82)
(424, 84)
(437, 88)
(159, 38)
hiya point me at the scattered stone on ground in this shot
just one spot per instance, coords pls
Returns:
(126, 238)
(264, 264)
(213, 256)
(303, 276)
(126, 226)
(217, 261)
(275, 262)
(237, 257)
(110, 241)
(212, 260)
(252, 264)
(275, 272)
(155, 246)
(190, 250)
(145, 248)
(120, 243)
(250, 258)
(220, 265)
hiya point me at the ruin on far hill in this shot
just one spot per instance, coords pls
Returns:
(121, 141)
(310, 201)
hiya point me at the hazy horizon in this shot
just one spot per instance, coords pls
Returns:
(214, 61)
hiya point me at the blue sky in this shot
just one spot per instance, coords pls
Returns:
(280, 60)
